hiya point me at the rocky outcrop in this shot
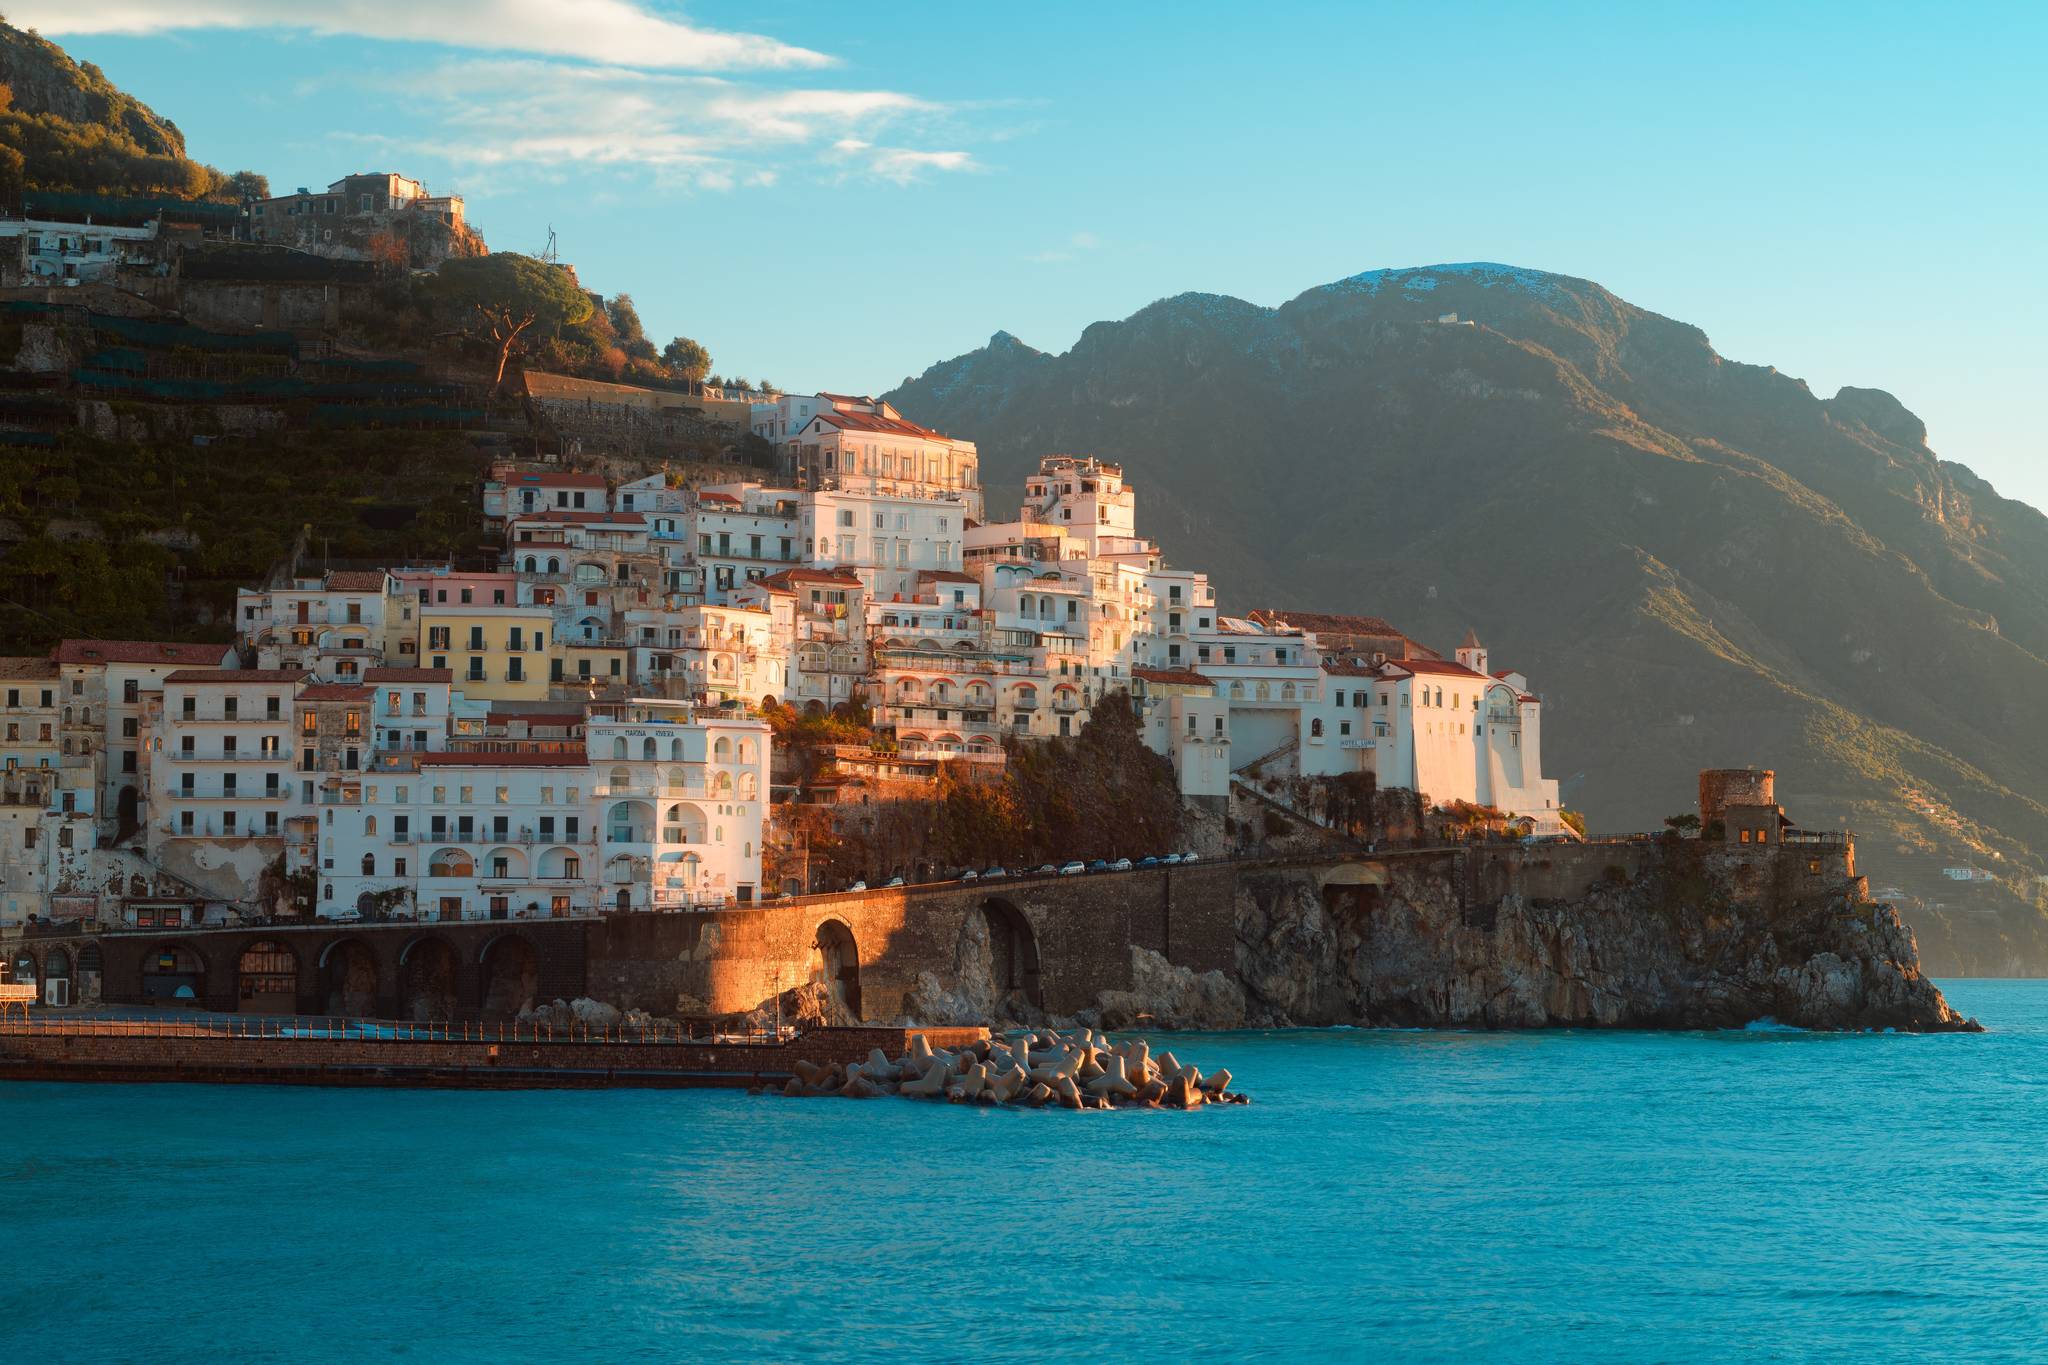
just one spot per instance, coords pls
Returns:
(1164, 996)
(1673, 943)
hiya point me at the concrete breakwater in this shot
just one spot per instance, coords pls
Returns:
(479, 1057)
(1026, 1068)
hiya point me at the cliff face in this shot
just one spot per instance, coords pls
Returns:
(1697, 561)
(1679, 940)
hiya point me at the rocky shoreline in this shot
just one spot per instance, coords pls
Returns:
(1677, 941)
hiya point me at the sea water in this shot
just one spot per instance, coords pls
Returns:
(1572, 1196)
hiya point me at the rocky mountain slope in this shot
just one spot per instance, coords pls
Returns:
(1699, 561)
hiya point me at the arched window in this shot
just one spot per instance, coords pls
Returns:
(619, 747)
(1265, 691)
(1315, 728)
(621, 777)
(1237, 691)
(369, 824)
(747, 751)
(554, 565)
(722, 785)
(647, 750)
(369, 864)
(722, 750)
(675, 749)
(749, 786)
(532, 564)
(1287, 691)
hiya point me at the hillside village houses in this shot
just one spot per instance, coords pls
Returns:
(578, 729)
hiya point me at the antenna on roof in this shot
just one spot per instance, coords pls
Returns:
(552, 252)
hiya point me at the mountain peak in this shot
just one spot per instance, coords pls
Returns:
(1420, 279)
(1881, 412)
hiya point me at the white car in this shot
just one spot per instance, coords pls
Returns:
(1073, 869)
(1120, 865)
(1188, 858)
(858, 886)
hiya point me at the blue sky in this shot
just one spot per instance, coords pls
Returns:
(837, 195)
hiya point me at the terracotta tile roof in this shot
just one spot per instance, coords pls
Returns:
(1177, 677)
(1327, 623)
(867, 421)
(237, 675)
(397, 674)
(842, 577)
(356, 580)
(536, 759)
(333, 692)
(138, 652)
(717, 497)
(946, 576)
(1435, 667)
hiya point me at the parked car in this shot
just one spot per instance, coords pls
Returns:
(992, 873)
(1120, 865)
(858, 886)
(1073, 869)
(967, 875)
(1047, 869)
(1189, 857)
(349, 917)
(1148, 861)
(1098, 866)
(893, 881)
(1170, 860)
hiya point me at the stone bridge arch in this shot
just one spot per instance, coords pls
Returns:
(835, 963)
(508, 968)
(350, 978)
(1012, 951)
(429, 970)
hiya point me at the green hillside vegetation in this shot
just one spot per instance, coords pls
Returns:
(64, 126)
(151, 540)
(1699, 563)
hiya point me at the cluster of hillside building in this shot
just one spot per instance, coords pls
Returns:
(578, 729)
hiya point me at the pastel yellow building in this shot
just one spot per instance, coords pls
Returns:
(498, 653)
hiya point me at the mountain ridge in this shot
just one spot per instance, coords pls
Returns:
(1698, 553)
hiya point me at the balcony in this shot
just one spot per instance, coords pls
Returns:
(214, 829)
(182, 794)
(255, 760)
(523, 838)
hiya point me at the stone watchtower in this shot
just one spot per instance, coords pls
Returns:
(1721, 788)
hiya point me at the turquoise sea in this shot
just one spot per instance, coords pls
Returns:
(1560, 1196)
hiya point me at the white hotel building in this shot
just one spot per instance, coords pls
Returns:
(661, 807)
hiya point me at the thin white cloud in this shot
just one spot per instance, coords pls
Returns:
(494, 113)
(619, 32)
(903, 164)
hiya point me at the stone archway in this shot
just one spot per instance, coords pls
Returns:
(427, 969)
(267, 979)
(510, 971)
(1012, 953)
(348, 979)
(835, 964)
(173, 974)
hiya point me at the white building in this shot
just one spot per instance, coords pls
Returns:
(103, 686)
(865, 445)
(333, 626)
(661, 807)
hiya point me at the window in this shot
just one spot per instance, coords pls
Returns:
(309, 722)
